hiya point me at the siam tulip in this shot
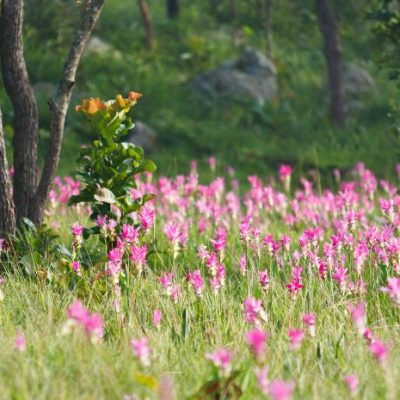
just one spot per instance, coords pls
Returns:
(174, 234)
(219, 243)
(142, 351)
(351, 383)
(264, 279)
(212, 162)
(146, 217)
(2, 245)
(92, 324)
(222, 359)
(262, 379)
(138, 257)
(242, 265)
(254, 312)
(157, 316)
(217, 281)
(77, 232)
(359, 316)
(114, 264)
(285, 173)
(281, 390)
(379, 350)
(296, 337)
(256, 339)
(195, 280)
(129, 234)
(309, 322)
(368, 336)
(340, 276)
(393, 289)
(20, 342)
(76, 267)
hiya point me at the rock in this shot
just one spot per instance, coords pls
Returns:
(251, 77)
(357, 81)
(143, 135)
(102, 48)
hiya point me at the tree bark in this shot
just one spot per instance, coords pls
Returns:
(268, 27)
(59, 106)
(172, 8)
(7, 214)
(19, 90)
(234, 9)
(329, 30)
(147, 24)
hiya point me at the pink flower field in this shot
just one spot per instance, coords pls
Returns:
(213, 291)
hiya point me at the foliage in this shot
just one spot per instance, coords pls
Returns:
(108, 166)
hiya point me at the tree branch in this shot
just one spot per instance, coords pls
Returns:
(59, 106)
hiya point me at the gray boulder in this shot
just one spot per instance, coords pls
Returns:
(357, 81)
(251, 77)
(99, 46)
(143, 135)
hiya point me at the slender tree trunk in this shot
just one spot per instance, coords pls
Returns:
(7, 214)
(147, 24)
(172, 8)
(329, 30)
(268, 27)
(18, 88)
(234, 9)
(59, 106)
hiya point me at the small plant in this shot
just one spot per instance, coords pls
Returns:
(108, 166)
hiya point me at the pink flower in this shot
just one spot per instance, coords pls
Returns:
(20, 342)
(77, 229)
(285, 171)
(296, 336)
(138, 255)
(340, 276)
(91, 323)
(78, 312)
(359, 316)
(172, 232)
(157, 316)
(393, 288)
(141, 350)
(352, 383)
(309, 322)
(253, 311)
(256, 339)
(146, 217)
(196, 281)
(76, 267)
(281, 390)
(264, 279)
(94, 326)
(2, 245)
(379, 350)
(242, 265)
(262, 379)
(166, 279)
(221, 359)
(129, 233)
(212, 162)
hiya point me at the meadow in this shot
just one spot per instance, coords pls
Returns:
(215, 291)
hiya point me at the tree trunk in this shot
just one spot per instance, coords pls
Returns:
(59, 106)
(147, 24)
(172, 8)
(268, 27)
(234, 9)
(329, 31)
(19, 90)
(7, 215)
